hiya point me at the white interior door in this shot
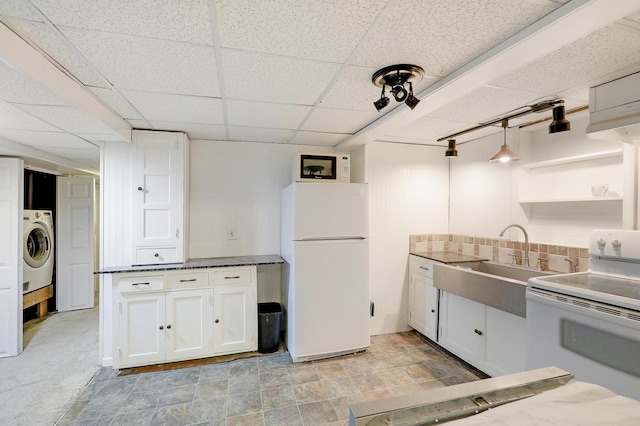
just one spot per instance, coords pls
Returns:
(11, 199)
(75, 244)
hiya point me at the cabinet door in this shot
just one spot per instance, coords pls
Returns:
(418, 302)
(235, 314)
(505, 342)
(141, 337)
(431, 330)
(189, 327)
(158, 204)
(462, 325)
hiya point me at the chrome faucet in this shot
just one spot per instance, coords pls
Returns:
(525, 261)
(572, 264)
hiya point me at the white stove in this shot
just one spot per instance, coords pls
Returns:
(588, 323)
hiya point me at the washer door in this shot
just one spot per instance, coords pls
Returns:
(37, 245)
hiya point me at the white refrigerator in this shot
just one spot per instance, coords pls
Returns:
(325, 243)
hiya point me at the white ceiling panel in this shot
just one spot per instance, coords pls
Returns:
(17, 88)
(441, 36)
(338, 120)
(323, 30)
(18, 9)
(149, 64)
(317, 138)
(55, 46)
(278, 79)
(116, 102)
(260, 135)
(88, 156)
(165, 19)
(257, 114)
(485, 104)
(193, 130)
(428, 129)
(67, 118)
(41, 139)
(12, 117)
(166, 107)
(580, 63)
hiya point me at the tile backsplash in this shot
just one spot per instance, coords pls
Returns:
(502, 250)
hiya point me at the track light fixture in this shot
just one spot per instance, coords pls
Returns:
(505, 155)
(559, 123)
(396, 77)
(451, 151)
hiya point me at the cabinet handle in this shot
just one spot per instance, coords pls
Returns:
(232, 278)
(433, 311)
(141, 284)
(139, 188)
(169, 326)
(157, 255)
(188, 281)
(217, 321)
(478, 332)
(422, 267)
(161, 327)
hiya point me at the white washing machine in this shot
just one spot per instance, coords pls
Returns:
(38, 249)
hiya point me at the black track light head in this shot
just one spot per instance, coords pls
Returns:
(451, 151)
(559, 123)
(381, 103)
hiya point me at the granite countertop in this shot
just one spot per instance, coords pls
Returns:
(448, 257)
(209, 262)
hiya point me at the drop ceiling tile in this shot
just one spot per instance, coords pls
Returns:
(485, 104)
(149, 64)
(318, 138)
(581, 63)
(255, 134)
(116, 102)
(278, 79)
(56, 47)
(193, 130)
(90, 157)
(18, 88)
(324, 30)
(260, 114)
(12, 117)
(18, 9)
(164, 19)
(68, 118)
(338, 120)
(441, 36)
(176, 108)
(46, 139)
(99, 138)
(427, 129)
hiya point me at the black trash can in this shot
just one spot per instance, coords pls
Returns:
(269, 320)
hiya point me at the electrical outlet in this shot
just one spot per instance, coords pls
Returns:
(231, 233)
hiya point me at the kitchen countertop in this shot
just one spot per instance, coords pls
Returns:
(209, 262)
(448, 257)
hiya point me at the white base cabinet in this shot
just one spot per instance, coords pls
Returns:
(489, 339)
(166, 317)
(423, 297)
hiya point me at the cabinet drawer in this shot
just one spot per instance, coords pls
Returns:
(421, 266)
(150, 256)
(141, 284)
(232, 276)
(189, 280)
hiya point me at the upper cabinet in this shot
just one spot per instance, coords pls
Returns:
(160, 197)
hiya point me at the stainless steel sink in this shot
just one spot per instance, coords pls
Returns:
(494, 284)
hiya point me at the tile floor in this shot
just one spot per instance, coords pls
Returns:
(268, 389)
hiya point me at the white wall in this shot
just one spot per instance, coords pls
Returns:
(480, 198)
(408, 190)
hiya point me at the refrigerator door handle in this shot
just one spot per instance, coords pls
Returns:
(332, 239)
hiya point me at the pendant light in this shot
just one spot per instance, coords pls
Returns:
(505, 155)
(451, 151)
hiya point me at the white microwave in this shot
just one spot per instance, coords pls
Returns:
(322, 167)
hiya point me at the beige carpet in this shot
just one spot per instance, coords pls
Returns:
(59, 359)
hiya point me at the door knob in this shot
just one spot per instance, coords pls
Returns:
(156, 255)
(169, 326)
(217, 321)
(478, 332)
(161, 327)
(139, 188)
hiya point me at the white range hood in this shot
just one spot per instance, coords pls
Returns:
(614, 110)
